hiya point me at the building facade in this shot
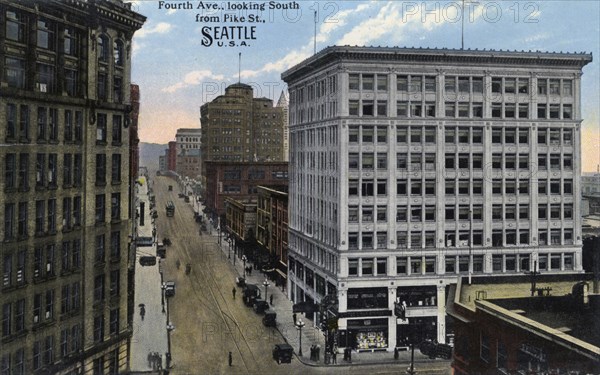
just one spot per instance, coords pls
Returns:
(410, 167)
(272, 228)
(504, 328)
(239, 128)
(172, 156)
(64, 191)
(284, 104)
(239, 181)
(189, 160)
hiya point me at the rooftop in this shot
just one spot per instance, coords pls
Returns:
(440, 55)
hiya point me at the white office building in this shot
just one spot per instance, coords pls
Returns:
(412, 167)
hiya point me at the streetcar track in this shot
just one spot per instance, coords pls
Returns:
(209, 276)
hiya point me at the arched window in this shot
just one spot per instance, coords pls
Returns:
(103, 48)
(118, 53)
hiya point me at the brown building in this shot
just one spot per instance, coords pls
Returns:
(134, 140)
(64, 190)
(500, 328)
(240, 226)
(172, 156)
(272, 228)
(239, 128)
(239, 180)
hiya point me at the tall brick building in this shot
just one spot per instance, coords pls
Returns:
(237, 127)
(65, 108)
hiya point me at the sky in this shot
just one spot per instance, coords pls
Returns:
(177, 72)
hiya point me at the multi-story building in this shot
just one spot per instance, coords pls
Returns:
(239, 181)
(64, 190)
(284, 104)
(188, 163)
(239, 128)
(514, 326)
(162, 163)
(172, 156)
(410, 167)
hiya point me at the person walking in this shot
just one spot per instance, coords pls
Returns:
(233, 292)
(271, 300)
(294, 316)
(230, 359)
(334, 356)
(318, 352)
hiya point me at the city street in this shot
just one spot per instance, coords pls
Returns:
(209, 323)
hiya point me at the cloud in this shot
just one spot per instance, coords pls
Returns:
(193, 78)
(159, 28)
(537, 37)
(405, 20)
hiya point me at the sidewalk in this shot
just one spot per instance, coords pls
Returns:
(310, 334)
(149, 333)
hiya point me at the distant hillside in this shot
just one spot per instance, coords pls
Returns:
(149, 153)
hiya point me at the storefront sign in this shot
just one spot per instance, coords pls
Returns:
(359, 314)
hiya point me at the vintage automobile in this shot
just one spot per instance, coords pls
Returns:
(250, 293)
(147, 260)
(283, 353)
(169, 288)
(270, 319)
(161, 250)
(240, 281)
(260, 306)
(435, 350)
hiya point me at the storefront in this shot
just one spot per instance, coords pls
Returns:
(367, 334)
(416, 330)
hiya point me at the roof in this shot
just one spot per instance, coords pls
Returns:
(437, 56)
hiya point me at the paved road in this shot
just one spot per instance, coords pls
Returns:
(209, 323)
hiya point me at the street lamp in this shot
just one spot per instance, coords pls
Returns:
(162, 295)
(266, 284)
(299, 325)
(244, 259)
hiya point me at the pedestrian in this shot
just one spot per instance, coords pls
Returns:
(350, 355)
(271, 300)
(312, 352)
(230, 359)
(396, 354)
(334, 356)
(233, 292)
(318, 352)
(294, 316)
(149, 359)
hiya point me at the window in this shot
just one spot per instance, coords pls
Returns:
(99, 328)
(554, 111)
(367, 161)
(416, 264)
(367, 240)
(450, 84)
(401, 266)
(523, 109)
(353, 214)
(116, 130)
(450, 265)
(78, 126)
(115, 206)
(45, 34)
(353, 82)
(496, 110)
(16, 26)
(367, 267)
(484, 351)
(100, 208)
(381, 187)
(402, 83)
(22, 223)
(100, 169)
(367, 82)
(45, 77)
(353, 267)
(381, 161)
(509, 85)
(381, 214)
(367, 188)
(102, 86)
(450, 109)
(497, 85)
(402, 109)
(381, 240)
(353, 158)
(10, 171)
(463, 85)
(401, 214)
(541, 111)
(450, 213)
(567, 111)
(117, 89)
(115, 278)
(381, 108)
(118, 52)
(103, 48)
(416, 110)
(353, 187)
(101, 130)
(14, 71)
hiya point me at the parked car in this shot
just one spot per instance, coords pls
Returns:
(144, 241)
(260, 306)
(435, 350)
(186, 199)
(161, 250)
(251, 293)
(283, 353)
(169, 288)
(270, 319)
(147, 260)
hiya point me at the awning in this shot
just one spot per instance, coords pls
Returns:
(305, 307)
(281, 273)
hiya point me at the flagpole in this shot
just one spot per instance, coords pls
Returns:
(240, 67)
(462, 33)
(315, 32)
